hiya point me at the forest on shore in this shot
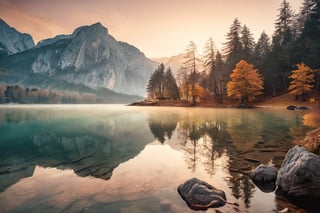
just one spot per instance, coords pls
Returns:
(18, 94)
(244, 70)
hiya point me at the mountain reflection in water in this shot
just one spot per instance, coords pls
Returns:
(128, 159)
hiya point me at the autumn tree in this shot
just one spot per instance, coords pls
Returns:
(302, 79)
(246, 83)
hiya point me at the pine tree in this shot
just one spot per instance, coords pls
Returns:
(310, 37)
(263, 62)
(222, 76)
(305, 14)
(210, 68)
(283, 31)
(282, 47)
(155, 88)
(262, 48)
(171, 90)
(233, 46)
(246, 83)
(162, 85)
(247, 42)
(302, 79)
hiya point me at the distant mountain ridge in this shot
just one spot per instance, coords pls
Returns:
(90, 57)
(174, 62)
(12, 41)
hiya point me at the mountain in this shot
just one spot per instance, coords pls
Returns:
(89, 58)
(52, 40)
(12, 41)
(174, 62)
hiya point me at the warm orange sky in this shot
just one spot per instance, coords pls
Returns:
(157, 27)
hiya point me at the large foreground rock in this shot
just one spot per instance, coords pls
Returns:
(200, 195)
(264, 177)
(299, 176)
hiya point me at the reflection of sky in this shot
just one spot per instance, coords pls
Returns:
(155, 172)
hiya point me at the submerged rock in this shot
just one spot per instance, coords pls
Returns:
(264, 177)
(200, 195)
(299, 176)
(291, 107)
(301, 108)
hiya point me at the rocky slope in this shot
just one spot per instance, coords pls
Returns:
(12, 41)
(89, 57)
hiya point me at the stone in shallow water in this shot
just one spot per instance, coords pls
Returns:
(264, 177)
(200, 195)
(299, 176)
(291, 107)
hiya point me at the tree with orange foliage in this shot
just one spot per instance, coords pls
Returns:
(302, 79)
(246, 83)
(196, 91)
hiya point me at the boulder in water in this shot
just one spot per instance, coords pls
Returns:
(264, 177)
(299, 176)
(200, 195)
(291, 107)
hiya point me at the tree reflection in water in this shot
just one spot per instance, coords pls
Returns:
(162, 125)
(203, 140)
(247, 139)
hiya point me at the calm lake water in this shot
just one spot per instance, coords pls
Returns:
(113, 158)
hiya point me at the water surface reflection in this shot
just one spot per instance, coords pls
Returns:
(127, 159)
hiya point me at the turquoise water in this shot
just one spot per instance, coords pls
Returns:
(114, 158)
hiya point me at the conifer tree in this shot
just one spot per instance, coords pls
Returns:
(246, 83)
(310, 37)
(170, 86)
(155, 88)
(283, 31)
(233, 46)
(210, 68)
(262, 47)
(247, 42)
(222, 76)
(282, 47)
(162, 84)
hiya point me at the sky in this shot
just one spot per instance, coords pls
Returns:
(158, 28)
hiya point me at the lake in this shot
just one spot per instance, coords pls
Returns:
(114, 158)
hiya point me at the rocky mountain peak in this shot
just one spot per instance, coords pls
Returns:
(96, 28)
(89, 56)
(12, 41)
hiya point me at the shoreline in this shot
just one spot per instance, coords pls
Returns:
(314, 107)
